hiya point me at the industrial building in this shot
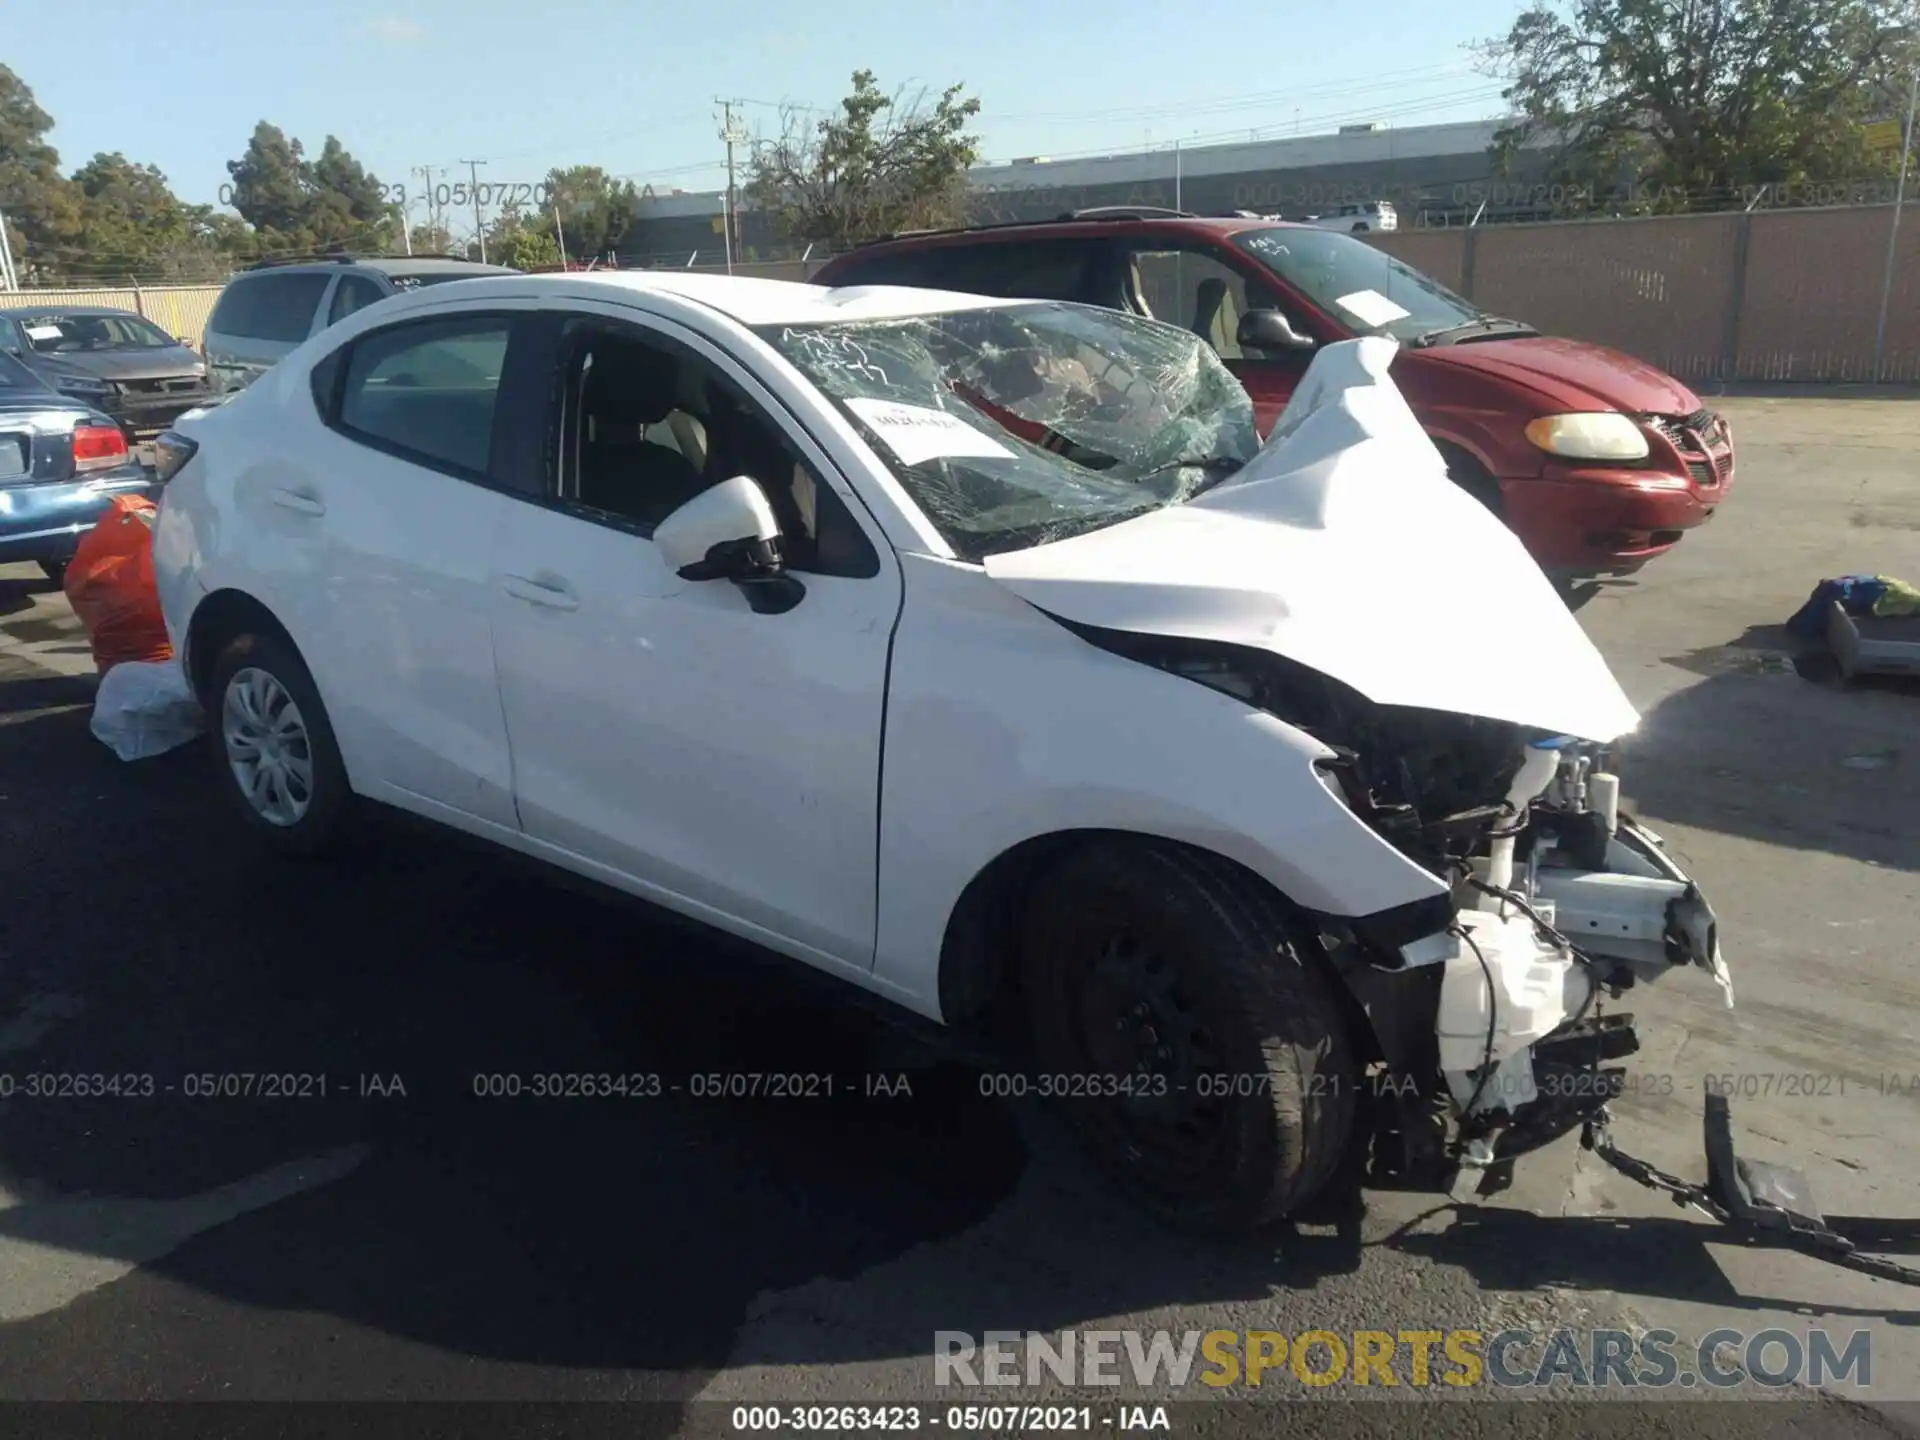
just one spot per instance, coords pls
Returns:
(1431, 174)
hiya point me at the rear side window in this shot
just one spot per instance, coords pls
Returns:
(1042, 270)
(918, 268)
(354, 292)
(1029, 270)
(426, 390)
(269, 307)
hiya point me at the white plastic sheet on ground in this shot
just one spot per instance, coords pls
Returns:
(145, 708)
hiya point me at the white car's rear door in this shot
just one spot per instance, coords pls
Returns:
(389, 514)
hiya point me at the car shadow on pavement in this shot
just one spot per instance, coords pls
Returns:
(1755, 749)
(1657, 1258)
(17, 592)
(379, 1004)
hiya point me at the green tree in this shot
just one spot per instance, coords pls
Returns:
(351, 206)
(294, 203)
(431, 240)
(1702, 98)
(595, 210)
(131, 221)
(880, 164)
(42, 210)
(526, 248)
(272, 183)
(522, 239)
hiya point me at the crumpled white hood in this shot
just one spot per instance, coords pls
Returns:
(1343, 546)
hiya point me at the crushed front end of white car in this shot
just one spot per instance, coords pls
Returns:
(1466, 719)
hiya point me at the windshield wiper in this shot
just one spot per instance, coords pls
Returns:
(1217, 468)
(1470, 327)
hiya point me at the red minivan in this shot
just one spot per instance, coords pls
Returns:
(1598, 461)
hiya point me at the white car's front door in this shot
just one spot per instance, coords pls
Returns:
(722, 761)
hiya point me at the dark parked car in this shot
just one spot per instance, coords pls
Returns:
(113, 360)
(61, 462)
(1598, 462)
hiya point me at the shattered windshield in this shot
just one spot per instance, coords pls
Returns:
(1023, 424)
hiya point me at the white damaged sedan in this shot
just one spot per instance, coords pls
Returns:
(977, 653)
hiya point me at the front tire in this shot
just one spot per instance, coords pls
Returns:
(273, 743)
(1180, 980)
(1473, 477)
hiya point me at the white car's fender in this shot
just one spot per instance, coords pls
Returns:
(1003, 726)
(196, 554)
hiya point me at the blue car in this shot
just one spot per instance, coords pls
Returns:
(61, 464)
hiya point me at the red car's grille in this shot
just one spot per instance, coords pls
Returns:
(1701, 439)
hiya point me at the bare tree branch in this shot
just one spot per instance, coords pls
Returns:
(881, 163)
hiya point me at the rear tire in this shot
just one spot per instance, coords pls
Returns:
(1180, 982)
(55, 570)
(274, 749)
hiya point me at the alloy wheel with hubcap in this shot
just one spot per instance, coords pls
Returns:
(273, 741)
(268, 748)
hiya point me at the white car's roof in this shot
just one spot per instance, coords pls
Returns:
(753, 301)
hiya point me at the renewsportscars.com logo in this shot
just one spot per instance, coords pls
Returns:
(1598, 1359)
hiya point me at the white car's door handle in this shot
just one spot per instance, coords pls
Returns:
(555, 595)
(299, 501)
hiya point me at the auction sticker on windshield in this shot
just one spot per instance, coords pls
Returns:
(1371, 307)
(916, 434)
(44, 332)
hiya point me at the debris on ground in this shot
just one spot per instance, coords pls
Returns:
(144, 706)
(1870, 624)
(1857, 595)
(109, 582)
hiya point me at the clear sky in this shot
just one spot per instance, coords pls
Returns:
(631, 86)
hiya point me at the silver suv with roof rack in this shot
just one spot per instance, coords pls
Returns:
(269, 308)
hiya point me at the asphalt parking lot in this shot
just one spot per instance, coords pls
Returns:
(402, 1238)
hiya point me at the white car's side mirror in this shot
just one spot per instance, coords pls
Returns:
(731, 533)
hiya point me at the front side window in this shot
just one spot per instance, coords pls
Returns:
(1022, 424)
(645, 425)
(1366, 289)
(426, 390)
(1200, 292)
